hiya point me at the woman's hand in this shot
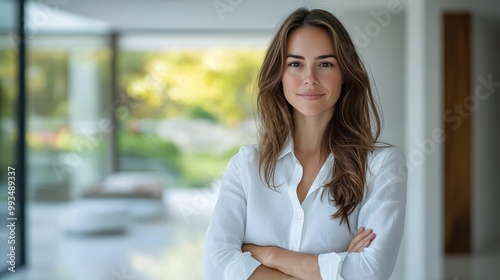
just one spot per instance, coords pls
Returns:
(362, 239)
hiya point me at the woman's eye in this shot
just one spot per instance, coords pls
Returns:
(326, 64)
(293, 64)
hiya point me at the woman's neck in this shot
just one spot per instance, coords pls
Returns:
(307, 134)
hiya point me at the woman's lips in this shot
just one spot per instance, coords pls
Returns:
(311, 95)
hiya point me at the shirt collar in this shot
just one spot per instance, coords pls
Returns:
(287, 147)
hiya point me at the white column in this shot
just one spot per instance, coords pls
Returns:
(424, 143)
(84, 118)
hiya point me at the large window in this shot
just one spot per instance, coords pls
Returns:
(127, 137)
(177, 114)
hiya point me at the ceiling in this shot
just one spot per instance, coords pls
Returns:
(154, 15)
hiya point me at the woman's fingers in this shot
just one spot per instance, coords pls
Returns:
(362, 239)
(364, 243)
(358, 237)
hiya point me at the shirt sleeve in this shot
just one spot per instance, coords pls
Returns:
(222, 256)
(383, 210)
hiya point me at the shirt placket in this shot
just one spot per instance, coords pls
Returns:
(297, 211)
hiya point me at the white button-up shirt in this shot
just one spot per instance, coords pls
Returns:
(247, 211)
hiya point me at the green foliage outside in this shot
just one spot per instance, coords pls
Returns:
(48, 77)
(215, 84)
(141, 146)
(8, 82)
(194, 168)
(199, 169)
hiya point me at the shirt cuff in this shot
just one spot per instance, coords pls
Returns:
(330, 265)
(241, 268)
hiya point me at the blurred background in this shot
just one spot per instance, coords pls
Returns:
(119, 117)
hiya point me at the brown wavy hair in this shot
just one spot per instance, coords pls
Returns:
(352, 131)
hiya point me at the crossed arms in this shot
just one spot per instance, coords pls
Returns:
(279, 263)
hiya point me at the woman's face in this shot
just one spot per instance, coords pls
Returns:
(311, 78)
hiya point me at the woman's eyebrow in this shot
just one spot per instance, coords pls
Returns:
(326, 56)
(318, 57)
(295, 56)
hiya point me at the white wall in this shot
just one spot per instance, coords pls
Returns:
(383, 56)
(486, 135)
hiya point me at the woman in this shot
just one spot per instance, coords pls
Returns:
(289, 206)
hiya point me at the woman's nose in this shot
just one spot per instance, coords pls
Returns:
(311, 77)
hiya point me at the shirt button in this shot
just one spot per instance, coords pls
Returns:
(299, 216)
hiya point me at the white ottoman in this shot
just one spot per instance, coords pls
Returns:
(91, 216)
